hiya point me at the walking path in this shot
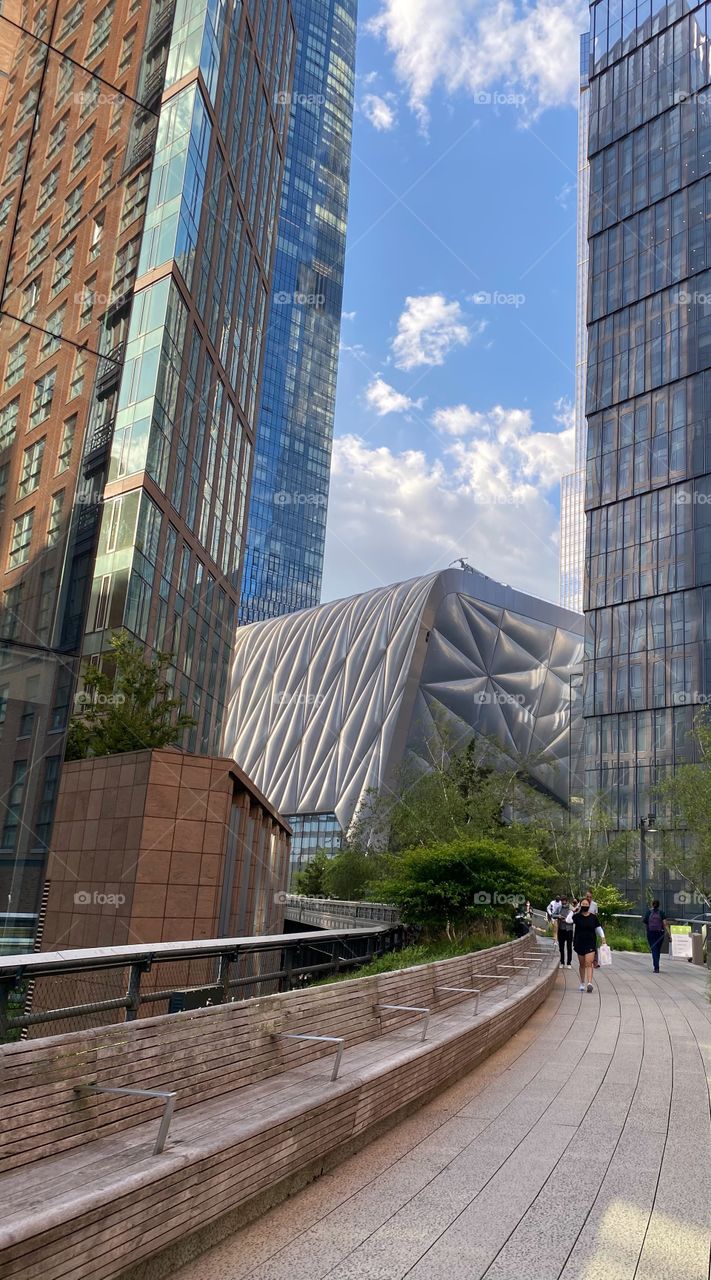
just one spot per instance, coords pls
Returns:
(581, 1150)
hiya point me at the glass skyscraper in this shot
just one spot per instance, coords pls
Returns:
(141, 159)
(648, 488)
(287, 517)
(572, 489)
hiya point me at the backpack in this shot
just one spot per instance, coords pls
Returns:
(655, 923)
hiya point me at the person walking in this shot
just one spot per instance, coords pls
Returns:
(586, 930)
(594, 911)
(565, 932)
(656, 923)
(552, 914)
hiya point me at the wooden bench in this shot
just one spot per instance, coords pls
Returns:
(255, 1104)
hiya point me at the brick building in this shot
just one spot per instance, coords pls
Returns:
(141, 158)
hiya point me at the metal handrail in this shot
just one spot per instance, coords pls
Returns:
(339, 1040)
(168, 1097)
(411, 1008)
(472, 991)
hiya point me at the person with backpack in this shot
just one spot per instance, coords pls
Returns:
(564, 919)
(656, 923)
(552, 914)
(586, 930)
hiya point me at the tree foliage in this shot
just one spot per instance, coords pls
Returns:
(126, 706)
(687, 794)
(457, 886)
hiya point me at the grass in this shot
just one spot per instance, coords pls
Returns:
(621, 939)
(422, 953)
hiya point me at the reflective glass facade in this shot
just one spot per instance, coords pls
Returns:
(141, 158)
(648, 486)
(572, 493)
(287, 518)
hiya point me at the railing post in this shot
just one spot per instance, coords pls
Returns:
(4, 1001)
(133, 994)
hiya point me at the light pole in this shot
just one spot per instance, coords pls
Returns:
(647, 826)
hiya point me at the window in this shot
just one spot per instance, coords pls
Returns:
(89, 100)
(16, 362)
(30, 298)
(31, 468)
(47, 802)
(76, 386)
(27, 717)
(57, 137)
(42, 398)
(87, 303)
(71, 21)
(125, 269)
(38, 245)
(4, 691)
(63, 267)
(8, 423)
(100, 32)
(16, 158)
(54, 528)
(82, 150)
(96, 234)
(4, 477)
(55, 324)
(28, 102)
(5, 207)
(21, 539)
(64, 456)
(72, 209)
(10, 617)
(134, 198)
(48, 190)
(107, 172)
(65, 83)
(127, 45)
(14, 805)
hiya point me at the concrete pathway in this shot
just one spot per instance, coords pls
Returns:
(581, 1150)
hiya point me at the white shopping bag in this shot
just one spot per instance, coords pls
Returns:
(605, 955)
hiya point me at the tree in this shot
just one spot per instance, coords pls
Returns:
(311, 880)
(687, 793)
(126, 706)
(455, 888)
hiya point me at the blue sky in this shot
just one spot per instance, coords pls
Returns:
(457, 368)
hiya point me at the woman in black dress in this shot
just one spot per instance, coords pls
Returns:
(586, 930)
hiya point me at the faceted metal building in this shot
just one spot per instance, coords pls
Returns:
(328, 703)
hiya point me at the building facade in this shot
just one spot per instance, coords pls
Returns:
(141, 157)
(287, 520)
(572, 490)
(648, 488)
(332, 703)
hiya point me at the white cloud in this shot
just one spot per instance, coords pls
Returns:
(492, 496)
(474, 45)
(383, 398)
(348, 315)
(379, 111)
(428, 329)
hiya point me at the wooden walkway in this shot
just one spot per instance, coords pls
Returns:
(580, 1150)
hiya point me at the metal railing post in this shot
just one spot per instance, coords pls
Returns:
(133, 993)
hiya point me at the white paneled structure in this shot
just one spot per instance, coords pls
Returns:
(329, 702)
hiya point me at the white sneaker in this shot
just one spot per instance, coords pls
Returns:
(581, 987)
(570, 966)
